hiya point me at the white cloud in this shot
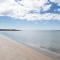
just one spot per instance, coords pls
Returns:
(46, 7)
(55, 1)
(21, 9)
(47, 16)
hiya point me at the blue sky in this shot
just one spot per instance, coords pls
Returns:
(8, 22)
(29, 14)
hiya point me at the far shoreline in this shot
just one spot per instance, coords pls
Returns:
(9, 30)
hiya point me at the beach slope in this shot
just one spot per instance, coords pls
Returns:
(11, 50)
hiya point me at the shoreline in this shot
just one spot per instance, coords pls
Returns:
(46, 52)
(12, 50)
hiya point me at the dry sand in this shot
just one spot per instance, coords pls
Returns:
(11, 50)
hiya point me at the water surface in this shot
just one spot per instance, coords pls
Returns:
(47, 39)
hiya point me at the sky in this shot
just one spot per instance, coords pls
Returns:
(30, 14)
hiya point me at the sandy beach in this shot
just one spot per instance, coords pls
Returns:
(11, 50)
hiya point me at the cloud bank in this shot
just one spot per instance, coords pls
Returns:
(31, 9)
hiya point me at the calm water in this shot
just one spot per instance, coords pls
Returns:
(49, 39)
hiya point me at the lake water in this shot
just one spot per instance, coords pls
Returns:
(48, 39)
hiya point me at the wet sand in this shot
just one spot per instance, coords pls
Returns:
(11, 50)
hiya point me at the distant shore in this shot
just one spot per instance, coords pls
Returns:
(9, 30)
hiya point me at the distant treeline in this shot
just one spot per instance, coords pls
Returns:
(9, 30)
